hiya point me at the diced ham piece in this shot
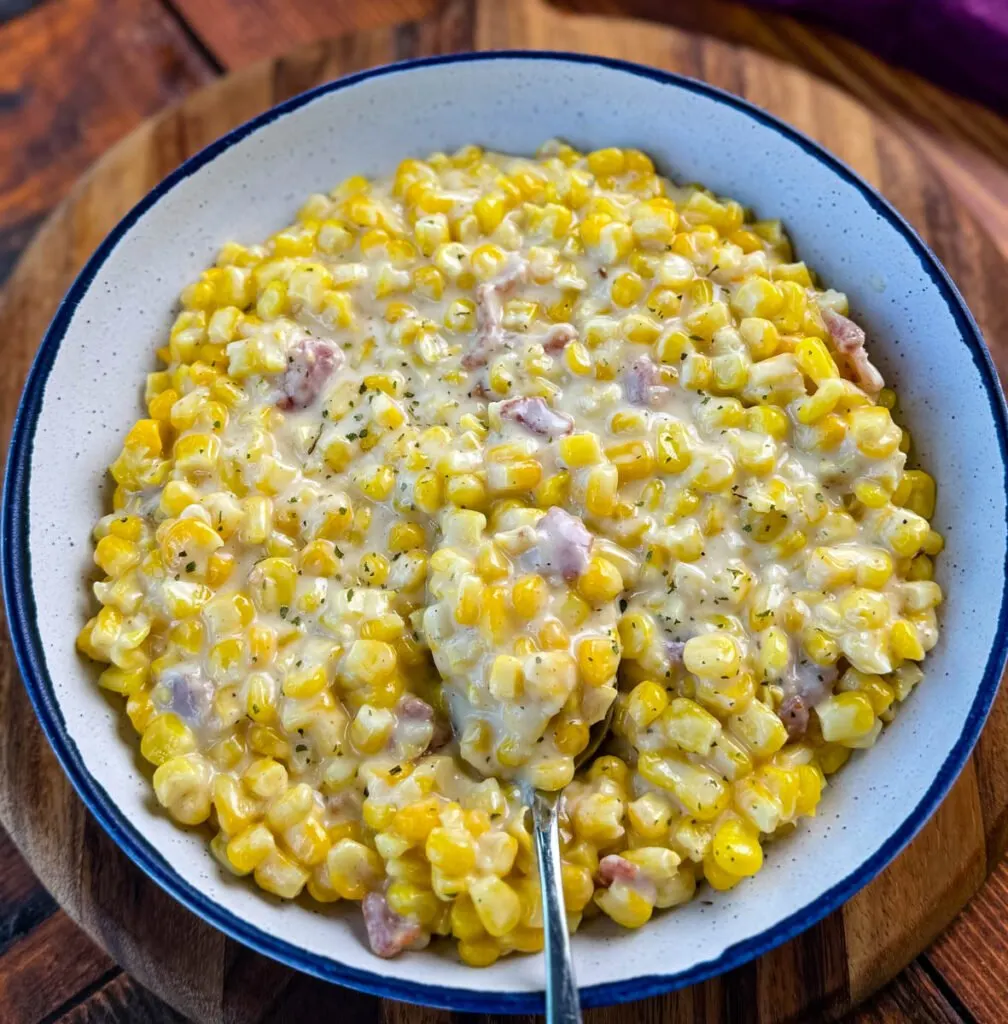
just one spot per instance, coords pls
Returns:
(414, 709)
(674, 649)
(614, 869)
(490, 336)
(310, 363)
(190, 695)
(561, 546)
(805, 684)
(388, 932)
(418, 729)
(558, 337)
(849, 340)
(640, 382)
(536, 417)
(794, 713)
(414, 728)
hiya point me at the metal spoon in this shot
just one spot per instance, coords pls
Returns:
(562, 1003)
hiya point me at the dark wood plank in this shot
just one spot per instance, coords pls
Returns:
(972, 955)
(119, 1001)
(912, 998)
(240, 32)
(75, 76)
(24, 903)
(47, 968)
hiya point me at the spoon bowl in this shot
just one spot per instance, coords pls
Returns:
(563, 1005)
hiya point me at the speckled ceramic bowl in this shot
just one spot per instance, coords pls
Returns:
(90, 370)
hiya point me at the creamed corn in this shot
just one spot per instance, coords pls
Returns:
(498, 443)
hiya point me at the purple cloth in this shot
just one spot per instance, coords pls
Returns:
(961, 44)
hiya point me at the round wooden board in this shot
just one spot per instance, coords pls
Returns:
(820, 974)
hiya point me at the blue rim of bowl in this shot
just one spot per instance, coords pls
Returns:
(21, 607)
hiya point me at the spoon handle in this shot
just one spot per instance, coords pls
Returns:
(562, 1003)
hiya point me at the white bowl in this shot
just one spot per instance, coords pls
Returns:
(85, 390)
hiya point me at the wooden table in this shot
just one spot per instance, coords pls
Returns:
(76, 75)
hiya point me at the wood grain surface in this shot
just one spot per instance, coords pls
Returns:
(76, 74)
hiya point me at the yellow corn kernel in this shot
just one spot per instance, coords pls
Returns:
(553, 636)
(529, 596)
(319, 558)
(427, 492)
(736, 848)
(774, 652)
(626, 289)
(757, 297)
(479, 952)
(625, 905)
(126, 681)
(265, 778)
(921, 497)
(497, 904)
(247, 850)
(115, 556)
(353, 869)
(514, 477)
(166, 737)
(845, 717)
(873, 431)
(637, 633)
(634, 460)
(601, 490)
(272, 582)
(815, 361)
(597, 660)
(376, 483)
(257, 520)
(405, 536)
(265, 740)
(413, 901)
(712, 655)
(759, 728)
(713, 473)
(577, 359)
(466, 490)
(415, 821)
(674, 449)
(687, 726)
(820, 647)
(904, 641)
(469, 600)
(716, 876)
(307, 681)
(905, 532)
(489, 210)
(701, 790)
(650, 816)
(451, 851)
(371, 728)
(610, 162)
(182, 786)
(373, 569)
(368, 661)
(601, 581)
(645, 703)
(579, 450)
